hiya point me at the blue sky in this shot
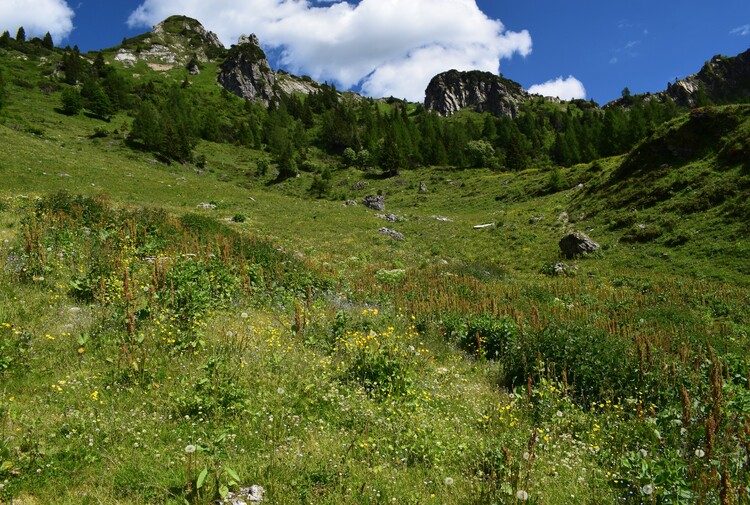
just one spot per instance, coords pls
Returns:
(587, 48)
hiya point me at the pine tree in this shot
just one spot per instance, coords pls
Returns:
(21, 34)
(47, 41)
(5, 39)
(71, 103)
(147, 126)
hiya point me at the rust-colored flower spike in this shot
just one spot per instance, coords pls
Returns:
(710, 434)
(686, 408)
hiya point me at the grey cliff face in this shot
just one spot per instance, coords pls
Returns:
(247, 73)
(452, 91)
(721, 79)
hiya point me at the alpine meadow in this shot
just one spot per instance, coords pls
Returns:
(224, 283)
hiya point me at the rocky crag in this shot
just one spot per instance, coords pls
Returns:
(247, 73)
(452, 91)
(721, 80)
(178, 40)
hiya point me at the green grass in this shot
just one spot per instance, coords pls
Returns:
(328, 363)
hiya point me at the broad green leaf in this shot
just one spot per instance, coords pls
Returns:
(201, 478)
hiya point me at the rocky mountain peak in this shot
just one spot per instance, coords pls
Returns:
(175, 41)
(247, 73)
(452, 91)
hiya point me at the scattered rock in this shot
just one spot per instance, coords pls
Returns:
(443, 219)
(252, 494)
(359, 185)
(563, 217)
(350, 203)
(63, 175)
(576, 244)
(374, 202)
(194, 69)
(207, 206)
(535, 219)
(391, 218)
(482, 226)
(564, 269)
(392, 233)
(423, 187)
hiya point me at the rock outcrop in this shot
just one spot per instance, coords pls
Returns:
(452, 91)
(722, 80)
(247, 73)
(577, 244)
(374, 202)
(177, 40)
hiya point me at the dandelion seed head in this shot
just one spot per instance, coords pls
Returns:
(647, 489)
(448, 481)
(190, 449)
(699, 453)
(522, 495)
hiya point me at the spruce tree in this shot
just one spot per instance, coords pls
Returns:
(71, 103)
(47, 41)
(21, 34)
(5, 39)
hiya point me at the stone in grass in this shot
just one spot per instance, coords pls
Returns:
(391, 218)
(374, 202)
(252, 494)
(392, 233)
(577, 244)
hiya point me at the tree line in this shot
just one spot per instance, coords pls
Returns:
(170, 119)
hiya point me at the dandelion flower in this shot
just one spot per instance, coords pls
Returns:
(647, 489)
(190, 449)
(522, 495)
(448, 481)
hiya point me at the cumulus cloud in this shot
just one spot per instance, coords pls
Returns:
(567, 89)
(386, 47)
(741, 31)
(37, 17)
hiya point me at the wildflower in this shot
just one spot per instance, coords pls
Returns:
(190, 449)
(280, 390)
(647, 489)
(559, 413)
(448, 481)
(522, 495)
(644, 453)
(244, 315)
(699, 453)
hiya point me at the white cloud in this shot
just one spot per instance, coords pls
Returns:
(37, 18)
(388, 47)
(741, 30)
(567, 89)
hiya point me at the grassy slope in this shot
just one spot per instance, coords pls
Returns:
(137, 437)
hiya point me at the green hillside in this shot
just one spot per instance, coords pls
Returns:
(195, 299)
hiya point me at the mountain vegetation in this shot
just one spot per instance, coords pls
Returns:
(214, 292)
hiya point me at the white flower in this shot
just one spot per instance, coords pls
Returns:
(526, 455)
(280, 390)
(190, 449)
(647, 489)
(448, 481)
(244, 315)
(522, 495)
(699, 453)
(644, 453)
(559, 413)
